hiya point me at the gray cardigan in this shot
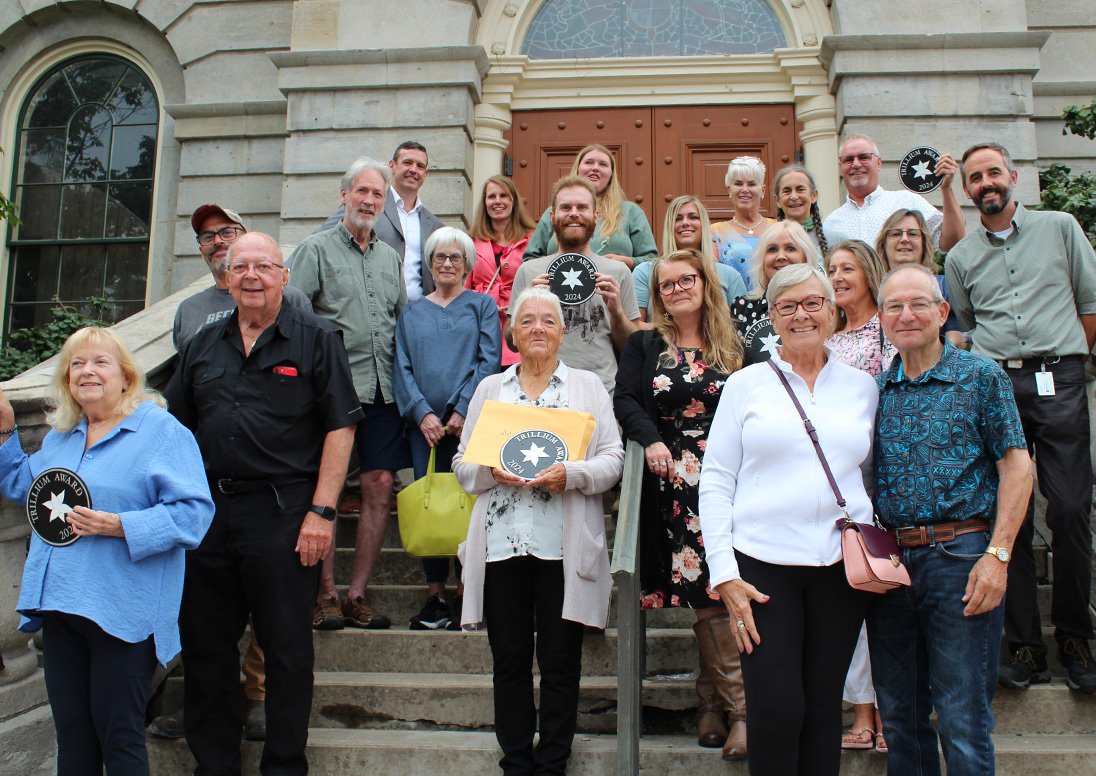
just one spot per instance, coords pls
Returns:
(586, 581)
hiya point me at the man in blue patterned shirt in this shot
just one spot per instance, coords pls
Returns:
(952, 478)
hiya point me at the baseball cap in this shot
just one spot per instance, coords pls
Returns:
(204, 211)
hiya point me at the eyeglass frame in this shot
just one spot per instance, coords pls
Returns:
(822, 300)
(692, 277)
(456, 259)
(241, 268)
(909, 233)
(847, 161)
(235, 230)
(888, 308)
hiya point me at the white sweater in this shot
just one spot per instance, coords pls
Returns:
(762, 487)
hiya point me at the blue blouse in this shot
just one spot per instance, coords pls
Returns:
(149, 471)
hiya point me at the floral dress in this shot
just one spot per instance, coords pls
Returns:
(686, 396)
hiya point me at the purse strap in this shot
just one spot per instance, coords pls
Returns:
(813, 434)
(430, 468)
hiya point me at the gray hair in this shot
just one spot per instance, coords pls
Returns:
(936, 295)
(449, 235)
(361, 164)
(536, 294)
(748, 167)
(793, 275)
(988, 146)
(858, 136)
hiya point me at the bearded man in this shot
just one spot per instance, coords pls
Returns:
(593, 327)
(356, 281)
(1026, 283)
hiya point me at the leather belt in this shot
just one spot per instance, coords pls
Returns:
(922, 535)
(1037, 361)
(232, 487)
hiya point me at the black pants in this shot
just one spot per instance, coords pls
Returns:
(1057, 433)
(98, 686)
(794, 677)
(521, 594)
(246, 565)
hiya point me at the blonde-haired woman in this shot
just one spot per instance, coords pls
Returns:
(735, 240)
(855, 272)
(500, 231)
(784, 243)
(108, 604)
(622, 232)
(686, 227)
(668, 385)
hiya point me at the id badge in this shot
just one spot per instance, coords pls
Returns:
(1044, 383)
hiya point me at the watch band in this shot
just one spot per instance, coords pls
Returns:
(327, 513)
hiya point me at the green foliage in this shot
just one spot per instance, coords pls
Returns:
(1080, 120)
(29, 347)
(8, 208)
(1062, 190)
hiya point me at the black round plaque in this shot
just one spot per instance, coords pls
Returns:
(916, 170)
(571, 278)
(53, 494)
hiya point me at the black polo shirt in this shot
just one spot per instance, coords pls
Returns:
(264, 416)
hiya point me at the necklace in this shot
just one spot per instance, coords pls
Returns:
(749, 229)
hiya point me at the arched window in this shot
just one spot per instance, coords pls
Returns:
(84, 163)
(565, 29)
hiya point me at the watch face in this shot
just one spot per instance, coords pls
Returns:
(1002, 555)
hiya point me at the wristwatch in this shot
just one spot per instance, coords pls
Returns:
(999, 552)
(327, 513)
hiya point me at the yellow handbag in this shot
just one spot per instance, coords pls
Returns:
(433, 513)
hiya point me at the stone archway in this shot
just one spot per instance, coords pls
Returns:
(787, 75)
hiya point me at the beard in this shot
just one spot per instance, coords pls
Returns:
(1004, 197)
(361, 221)
(571, 240)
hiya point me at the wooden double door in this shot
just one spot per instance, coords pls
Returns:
(660, 152)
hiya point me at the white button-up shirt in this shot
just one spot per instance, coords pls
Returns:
(863, 222)
(412, 241)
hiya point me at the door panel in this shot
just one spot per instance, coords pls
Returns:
(660, 152)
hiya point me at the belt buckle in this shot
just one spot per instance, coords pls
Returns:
(1015, 363)
(221, 486)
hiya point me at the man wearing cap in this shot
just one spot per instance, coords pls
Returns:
(268, 394)
(216, 228)
(952, 479)
(595, 327)
(869, 204)
(406, 222)
(1026, 283)
(354, 280)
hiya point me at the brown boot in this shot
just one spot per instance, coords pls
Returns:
(711, 719)
(727, 673)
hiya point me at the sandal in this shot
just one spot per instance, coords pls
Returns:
(881, 744)
(855, 739)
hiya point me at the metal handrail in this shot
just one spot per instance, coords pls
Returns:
(630, 652)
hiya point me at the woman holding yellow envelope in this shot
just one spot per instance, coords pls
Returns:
(535, 558)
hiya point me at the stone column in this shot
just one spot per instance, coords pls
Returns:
(899, 79)
(815, 110)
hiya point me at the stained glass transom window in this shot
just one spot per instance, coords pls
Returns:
(565, 29)
(84, 182)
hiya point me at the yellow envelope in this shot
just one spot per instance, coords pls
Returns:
(498, 421)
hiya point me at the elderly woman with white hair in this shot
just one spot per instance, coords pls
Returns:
(446, 343)
(736, 239)
(535, 559)
(767, 514)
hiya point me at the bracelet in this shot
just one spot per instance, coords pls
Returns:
(9, 431)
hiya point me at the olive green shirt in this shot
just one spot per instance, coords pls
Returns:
(362, 294)
(1024, 295)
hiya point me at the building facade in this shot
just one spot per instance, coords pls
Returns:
(118, 117)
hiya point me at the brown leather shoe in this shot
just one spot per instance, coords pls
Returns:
(727, 676)
(328, 615)
(711, 718)
(360, 613)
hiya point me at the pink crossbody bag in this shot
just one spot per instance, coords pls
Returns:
(872, 558)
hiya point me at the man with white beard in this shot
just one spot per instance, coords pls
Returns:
(594, 327)
(355, 281)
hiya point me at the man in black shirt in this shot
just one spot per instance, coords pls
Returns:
(269, 397)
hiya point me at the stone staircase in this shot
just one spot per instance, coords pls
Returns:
(419, 702)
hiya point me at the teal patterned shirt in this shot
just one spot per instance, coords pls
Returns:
(938, 439)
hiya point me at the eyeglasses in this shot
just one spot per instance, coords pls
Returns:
(810, 304)
(267, 268)
(227, 234)
(898, 234)
(685, 282)
(917, 306)
(456, 259)
(862, 158)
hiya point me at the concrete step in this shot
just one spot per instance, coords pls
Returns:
(401, 602)
(464, 701)
(399, 650)
(450, 753)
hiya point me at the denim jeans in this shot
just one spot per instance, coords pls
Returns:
(926, 654)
